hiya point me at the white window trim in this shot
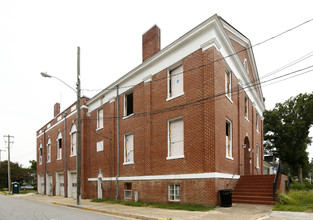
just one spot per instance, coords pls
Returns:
(168, 139)
(49, 151)
(231, 143)
(102, 146)
(226, 92)
(59, 137)
(98, 128)
(168, 83)
(130, 162)
(257, 156)
(125, 116)
(40, 156)
(169, 195)
(73, 130)
(247, 108)
(257, 122)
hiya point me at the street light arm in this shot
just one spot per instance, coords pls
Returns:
(49, 76)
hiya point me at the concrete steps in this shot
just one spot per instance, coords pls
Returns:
(254, 189)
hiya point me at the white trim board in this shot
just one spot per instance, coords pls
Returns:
(213, 175)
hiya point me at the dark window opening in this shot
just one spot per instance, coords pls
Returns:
(129, 103)
(60, 143)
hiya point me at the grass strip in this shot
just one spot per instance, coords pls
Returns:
(176, 206)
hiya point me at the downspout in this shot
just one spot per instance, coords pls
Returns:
(65, 168)
(117, 141)
(44, 157)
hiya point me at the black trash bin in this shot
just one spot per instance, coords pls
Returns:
(226, 198)
(15, 188)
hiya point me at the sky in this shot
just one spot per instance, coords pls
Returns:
(43, 36)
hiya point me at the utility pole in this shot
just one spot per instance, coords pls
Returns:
(78, 156)
(0, 154)
(9, 169)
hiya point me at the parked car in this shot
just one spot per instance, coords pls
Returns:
(27, 187)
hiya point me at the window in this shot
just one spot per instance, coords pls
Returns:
(245, 65)
(228, 84)
(128, 191)
(174, 192)
(176, 138)
(99, 146)
(49, 151)
(257, 122)
(176, 82)
(246, 107)
(128, 104)
(229, 153)
(257, 156)
(100, 119)
(59, 147)
(73, 140)
(128, 149)
(40, 154)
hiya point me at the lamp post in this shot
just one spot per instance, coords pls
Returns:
(78, 154)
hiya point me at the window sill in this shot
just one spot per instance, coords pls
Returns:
(74, 155)
(229, 158)
(128, 116)
(59, 159)
(48, 161)
(99, 129)
(258, 131)
(174, 200)
(174, 97)
(128, 163)
(229, 98)
(175, 157)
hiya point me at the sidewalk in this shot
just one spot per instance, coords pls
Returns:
(236, 212)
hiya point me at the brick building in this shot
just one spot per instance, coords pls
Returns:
(174, 129)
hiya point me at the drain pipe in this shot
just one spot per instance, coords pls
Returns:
(65, 168)
(44, 159)
(117, 141)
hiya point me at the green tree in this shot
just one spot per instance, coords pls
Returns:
(286, 130)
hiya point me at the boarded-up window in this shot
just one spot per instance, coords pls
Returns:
(176, 82)
(257, 156)
(246, 107)
(73, 140)
(100, 119)
(100, 146)
(257, 122)
(229, 153)
(129, 148)
(49, 151)
(176, 138)
(40, 153)
(228, 84)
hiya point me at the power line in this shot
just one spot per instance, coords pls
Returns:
(251, 85)
(221, 59)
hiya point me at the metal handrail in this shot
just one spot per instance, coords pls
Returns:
(276, 181)
(234, 174)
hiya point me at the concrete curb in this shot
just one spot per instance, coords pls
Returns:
(109, 212)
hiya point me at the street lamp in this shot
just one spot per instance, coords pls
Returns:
(78, 154)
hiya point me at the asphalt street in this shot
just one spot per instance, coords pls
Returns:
(19, 209)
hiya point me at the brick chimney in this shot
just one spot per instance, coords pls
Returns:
(151, 42)
(56, 109)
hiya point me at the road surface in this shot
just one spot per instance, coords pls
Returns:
(19, 209)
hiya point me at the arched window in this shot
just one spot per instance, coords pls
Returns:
(49, 151)
(73, 140)
(59, 146)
